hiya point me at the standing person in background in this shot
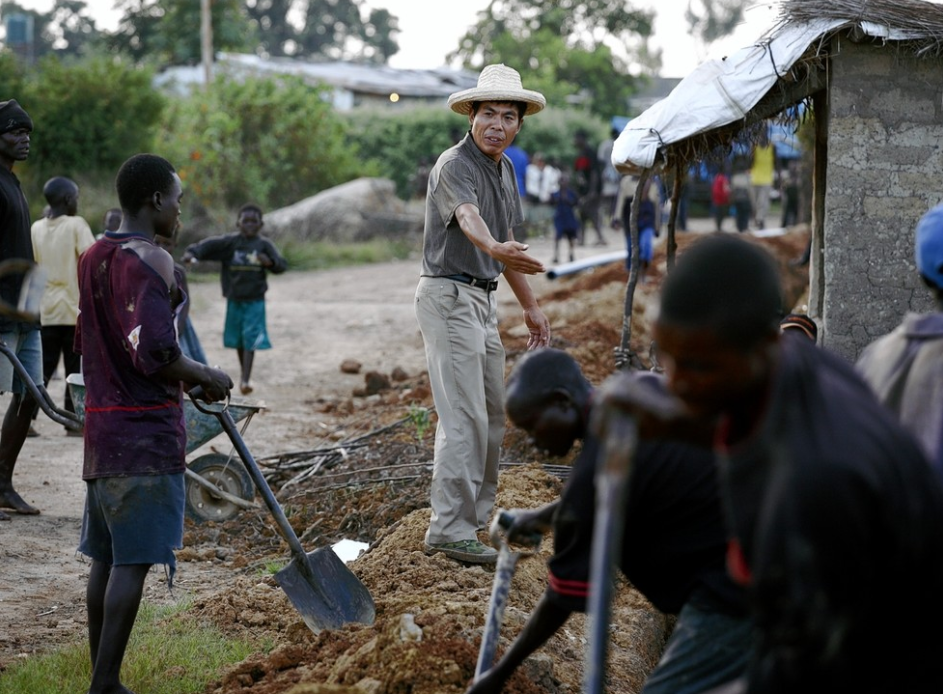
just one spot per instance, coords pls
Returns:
(789, 187)
(905, 367)
(609, 177)
(649, 220)
(565, 222)
(58, 241)
(740, 193)
(586, 183)
(472, 210)
(246, 259)
(521, 161)
(135, 436)
(720, 199)
(762, 173)
(543, 180)
(110, 222)
(23, 338)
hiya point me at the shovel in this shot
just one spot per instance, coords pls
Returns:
(503, 573)
(320, 586)
(612, 476)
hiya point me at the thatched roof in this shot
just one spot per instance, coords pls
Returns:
(914, 25)
(915, 21)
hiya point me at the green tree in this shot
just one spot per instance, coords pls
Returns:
(272, 141)
(398, 140)
(168, 31)
(12, 76)
(562, 47)
(711, 20)
(332, 29)
(90, 116)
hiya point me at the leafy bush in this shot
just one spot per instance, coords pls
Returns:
(398, 141)
(88, 117)
(271, 141)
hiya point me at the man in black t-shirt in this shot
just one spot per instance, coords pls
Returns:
(673, 546)
(22, 338)
(587, 183)
(834, 512)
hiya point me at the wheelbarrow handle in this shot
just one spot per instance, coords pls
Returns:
(69, 420)
(229, 426)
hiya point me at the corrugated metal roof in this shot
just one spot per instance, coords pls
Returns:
(359, 78)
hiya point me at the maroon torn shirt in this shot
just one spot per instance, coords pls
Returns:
(134, 423)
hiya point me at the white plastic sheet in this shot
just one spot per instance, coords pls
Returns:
(718, 92)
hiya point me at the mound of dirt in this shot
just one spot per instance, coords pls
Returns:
(431, 610)
(430, 616)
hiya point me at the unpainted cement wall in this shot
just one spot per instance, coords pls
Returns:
(885, 169)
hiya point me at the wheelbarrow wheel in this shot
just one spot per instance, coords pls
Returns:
(229, 475)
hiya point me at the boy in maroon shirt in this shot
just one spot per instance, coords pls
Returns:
(135, 437)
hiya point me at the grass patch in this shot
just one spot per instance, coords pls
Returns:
(168, 654)
(323, 255)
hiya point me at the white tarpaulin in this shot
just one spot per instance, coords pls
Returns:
(718, 92)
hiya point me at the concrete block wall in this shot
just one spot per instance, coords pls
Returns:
(884, 170)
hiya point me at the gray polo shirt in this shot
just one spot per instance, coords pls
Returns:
(463, 174)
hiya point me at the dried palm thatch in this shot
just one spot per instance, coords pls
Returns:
(921, 21)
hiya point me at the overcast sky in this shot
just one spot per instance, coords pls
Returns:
(426, 37)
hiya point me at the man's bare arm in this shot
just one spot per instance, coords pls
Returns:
(511, 253)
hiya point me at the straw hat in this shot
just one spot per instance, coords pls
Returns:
(497, 83)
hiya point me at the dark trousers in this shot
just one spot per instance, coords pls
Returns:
(57, 341)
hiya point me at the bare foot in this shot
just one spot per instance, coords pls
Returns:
(11, 501)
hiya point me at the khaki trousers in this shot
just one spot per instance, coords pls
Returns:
(465, 357)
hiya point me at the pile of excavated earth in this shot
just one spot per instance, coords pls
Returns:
(430, 611)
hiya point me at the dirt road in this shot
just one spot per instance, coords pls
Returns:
(316, 320)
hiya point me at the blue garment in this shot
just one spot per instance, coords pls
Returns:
(245, 325)
(112, 528)
(520, 160)
(565, 220)
(190, 343)
(707, 648)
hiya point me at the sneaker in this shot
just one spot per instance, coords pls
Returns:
(469, 551)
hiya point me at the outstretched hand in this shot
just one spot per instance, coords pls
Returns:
(513, 255)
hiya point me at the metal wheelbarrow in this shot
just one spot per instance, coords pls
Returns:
(218, 486)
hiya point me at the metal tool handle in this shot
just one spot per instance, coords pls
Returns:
(69, 420)
(612, 476)
(229, 426)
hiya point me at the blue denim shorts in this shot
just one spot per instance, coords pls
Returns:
(245, 326)
(28, 348)
(134, 520)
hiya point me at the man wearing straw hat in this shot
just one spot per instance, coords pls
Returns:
(472, 207)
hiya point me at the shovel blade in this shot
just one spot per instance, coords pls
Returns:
(325, 592)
